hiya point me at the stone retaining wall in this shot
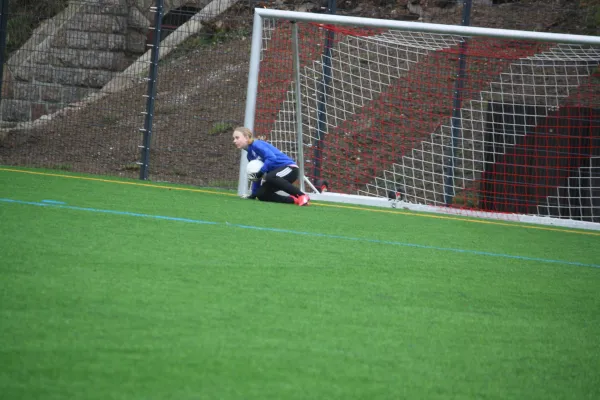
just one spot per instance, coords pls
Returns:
(73, 55)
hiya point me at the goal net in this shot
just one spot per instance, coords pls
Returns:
(472, 121)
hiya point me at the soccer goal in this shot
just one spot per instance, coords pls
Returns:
(438, 118)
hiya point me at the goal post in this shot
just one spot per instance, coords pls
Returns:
(449, 119)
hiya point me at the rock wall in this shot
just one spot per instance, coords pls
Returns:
(75, 54)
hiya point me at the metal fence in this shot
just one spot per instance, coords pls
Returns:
(110, 87)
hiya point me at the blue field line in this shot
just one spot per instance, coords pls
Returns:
(55, 204)
(99, 210)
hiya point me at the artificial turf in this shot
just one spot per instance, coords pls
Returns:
(116, 289)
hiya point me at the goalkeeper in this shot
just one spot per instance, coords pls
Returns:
(278, 172)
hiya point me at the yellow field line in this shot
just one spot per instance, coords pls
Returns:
(85, 178)
(398, 212)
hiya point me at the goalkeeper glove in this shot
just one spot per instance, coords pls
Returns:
(255, 177)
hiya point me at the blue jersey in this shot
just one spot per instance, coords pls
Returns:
(270, 155)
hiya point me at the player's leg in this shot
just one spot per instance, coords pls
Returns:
(267, 192)
(282, 179)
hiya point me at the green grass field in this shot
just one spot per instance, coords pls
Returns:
(116, 289)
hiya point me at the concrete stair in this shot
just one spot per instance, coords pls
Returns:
(534, 81)
(579, 199)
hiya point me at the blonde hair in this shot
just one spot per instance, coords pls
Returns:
(246, 132)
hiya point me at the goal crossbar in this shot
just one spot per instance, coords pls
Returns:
(459, 30)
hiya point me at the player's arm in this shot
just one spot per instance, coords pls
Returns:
(254, 190)
(265, 153)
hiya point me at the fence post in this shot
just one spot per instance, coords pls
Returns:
(152, 77)
(3, 28)
(322, 90)
(456, 107)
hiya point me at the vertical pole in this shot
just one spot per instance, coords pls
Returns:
(322, 90)
(152, 77)
(251, 90)
(296, 64)
(3, 26)
(456, 107)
